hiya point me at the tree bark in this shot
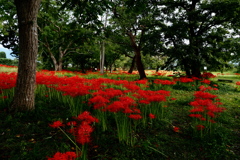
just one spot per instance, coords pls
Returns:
(137, 50)
(24, 98)
(132, 65)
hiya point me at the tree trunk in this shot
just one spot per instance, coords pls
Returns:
(132, 65)
(24, 98)
(196, 72)
(137, 50)
(102, 56)
(140, 66)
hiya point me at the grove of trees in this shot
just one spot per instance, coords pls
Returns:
(88, 34)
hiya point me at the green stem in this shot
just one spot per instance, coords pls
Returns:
(69, 138)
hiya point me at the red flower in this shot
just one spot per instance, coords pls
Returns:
(85, 116)
(176, 129)
(135, 116)
(164, 82)
(204, 95)
(200, 127)
(56, 124)
(195, 115)
(72, 123)
(206, 81)
(152, 116)
(64, 156)
(144, 102)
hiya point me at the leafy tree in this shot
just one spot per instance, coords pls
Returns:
(60, 33)
(196, 32)
(8, 25)
(134, 21)
(3, 55)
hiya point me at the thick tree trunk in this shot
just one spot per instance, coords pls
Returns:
(24, 98)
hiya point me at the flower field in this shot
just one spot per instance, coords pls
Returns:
(116, 116)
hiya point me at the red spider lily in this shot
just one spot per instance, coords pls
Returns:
(98, 101)
(164, 82)
(185, 80)
(4, 97)
(83, 133)
(56, 124)
(204, 95)
(64, 156)
(72, 123)
(206, 81)
(7, 66)
(200, 127)
(160, 73)
(7, 80)
(209, 88)
(195, 115)
(153, 96)
(208, 75)
(135, 116)
(116, 106)
(151, 116)
(212, 121)
(238, 83)
(176, 129)
(86, 117)
(109, 93)
(81, 128)
(132, 87)
(144, 102)
(142, 81)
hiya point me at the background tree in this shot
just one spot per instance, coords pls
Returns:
(60, 33)
(3, 55)
(196, 32)
(8, 26)
(135, 20)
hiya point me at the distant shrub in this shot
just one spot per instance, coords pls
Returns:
(2, 55)
(6, 61)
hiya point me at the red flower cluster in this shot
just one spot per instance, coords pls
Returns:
(206, 81)
(7, 66)
(152, 116)
(238, 83)
(81, 128)
(208, 75)
(7, 80)
(56, 124)
(64, 156)
(164, 82)
(185, 79)
(209, 88)
(205, 106)
(200, 127)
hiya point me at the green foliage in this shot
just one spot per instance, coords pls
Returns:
(3, 55)
(6, 61)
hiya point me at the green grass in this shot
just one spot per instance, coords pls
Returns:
(26, 135)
